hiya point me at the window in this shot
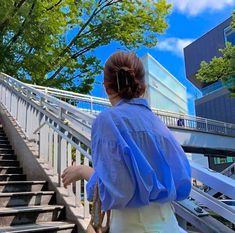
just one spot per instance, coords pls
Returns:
(219, 160)
(229, 35)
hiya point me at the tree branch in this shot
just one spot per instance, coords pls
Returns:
(74, 56)
(12, 14)
(55, 5)
(16, 36)
(94, 13)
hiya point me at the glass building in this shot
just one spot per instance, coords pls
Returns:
(164, 91)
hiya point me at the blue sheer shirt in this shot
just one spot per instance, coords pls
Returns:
(136, 158)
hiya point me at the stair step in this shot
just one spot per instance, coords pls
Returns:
(25, 198)
(2, 141)
(21, 186)
(56, 226)
(13, 163)
(5, 145)
(32, 214)
(6, 151)
(11, 177)
(7, 157)
(2, 137)
(10, 170)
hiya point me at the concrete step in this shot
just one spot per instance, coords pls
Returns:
(11, 170)
(52, 227)
(3, 137)
(9, 163)
(2, 141)
(21, 186)
(11, 177)
(8, 157)
(6, 151)
(5, 145)
(25, 198)
(26, 215)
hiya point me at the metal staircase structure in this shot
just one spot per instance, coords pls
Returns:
(58, 125)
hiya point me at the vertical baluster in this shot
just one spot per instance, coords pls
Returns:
(70, 188)
(50, 146)
(17, 108)
(1, 91)
(78, 183)
(62, 157)
(10, 107)
(29, 120)
(55, 154)
(86, 203)
(41, 136)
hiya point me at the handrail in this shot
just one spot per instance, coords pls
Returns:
(169, 118)
(228, 171)
(64, 138)
(61, 130)
(70, 94)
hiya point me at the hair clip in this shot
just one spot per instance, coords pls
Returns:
(118, 82)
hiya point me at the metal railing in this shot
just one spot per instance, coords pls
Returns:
(172, 119)
(229, 171)
(62, 133)
(217, 182)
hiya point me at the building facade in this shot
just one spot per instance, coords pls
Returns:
(164, 91)
(215, 102)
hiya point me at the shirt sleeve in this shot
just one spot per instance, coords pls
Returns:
(114, 181)
(180, 167)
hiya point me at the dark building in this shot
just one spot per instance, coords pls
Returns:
(205, 48)
(215, 103)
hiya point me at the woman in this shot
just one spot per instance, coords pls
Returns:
(139, 166)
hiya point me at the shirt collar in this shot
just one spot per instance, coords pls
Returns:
(135, 101)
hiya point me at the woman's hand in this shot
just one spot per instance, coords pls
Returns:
(75, 173)
(71, 174)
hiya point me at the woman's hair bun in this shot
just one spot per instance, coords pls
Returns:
(124, 74)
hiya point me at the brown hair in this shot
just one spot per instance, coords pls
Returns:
(124, 74)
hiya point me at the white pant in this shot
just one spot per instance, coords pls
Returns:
(155, 218)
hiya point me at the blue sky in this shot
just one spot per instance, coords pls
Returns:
(188, 21)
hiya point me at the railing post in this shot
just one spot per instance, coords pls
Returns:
(62, 151)
(78, 183)
(59, 159)
(86, 203)
(55, 157)
(62, 144)
(69, 160)
(206, 125)
(91, 100)
(225, 128)
(1, 91)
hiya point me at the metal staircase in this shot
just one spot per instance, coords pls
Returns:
(61, 133)
(26, 206)
(229, 172)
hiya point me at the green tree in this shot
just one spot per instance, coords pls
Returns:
(34, 43)
(220, 68)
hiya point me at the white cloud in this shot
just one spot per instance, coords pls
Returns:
(195, 7)
(174, 45)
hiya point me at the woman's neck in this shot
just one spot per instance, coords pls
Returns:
(114, 99)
